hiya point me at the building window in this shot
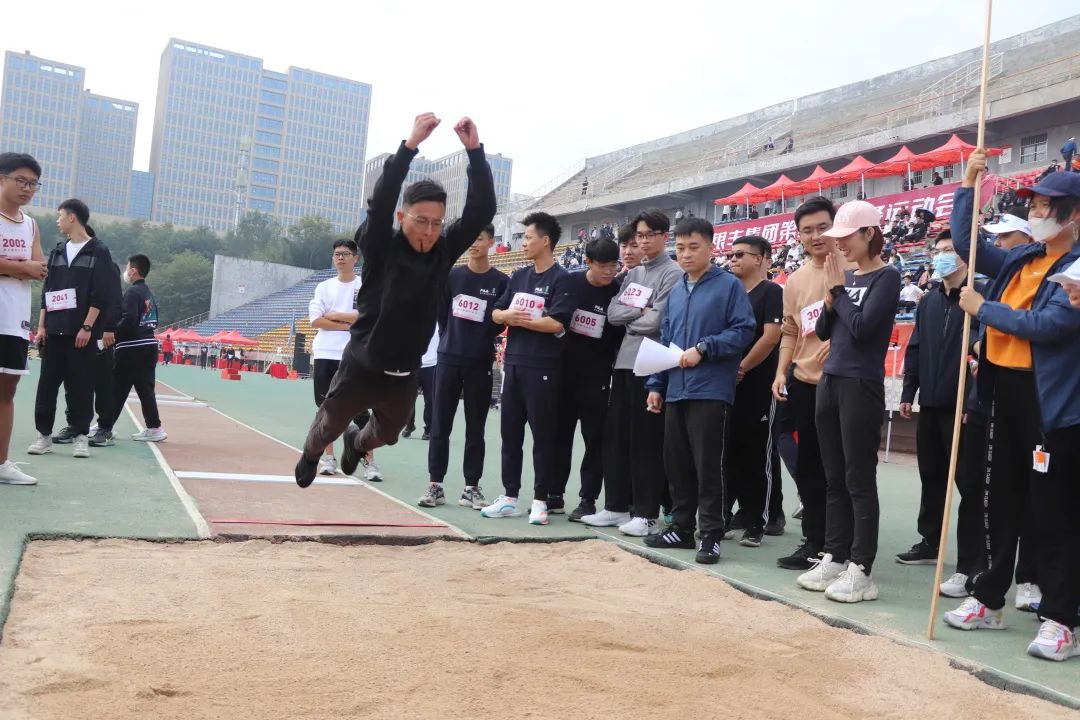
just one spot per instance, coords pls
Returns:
(274, 84)
(947, 172)
(263, 192)
(272, 97)
(268, 137)
(266, 151)
(838, 191)
(916, 178)
(271, 111)
(1033, 149)
(264, 178)
(268, 124)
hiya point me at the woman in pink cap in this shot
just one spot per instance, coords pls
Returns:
(860, 306)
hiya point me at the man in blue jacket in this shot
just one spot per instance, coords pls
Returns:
(709, 314)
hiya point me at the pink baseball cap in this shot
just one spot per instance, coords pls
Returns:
(853, 216)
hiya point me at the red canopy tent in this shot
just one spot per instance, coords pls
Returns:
(167, 331)
(857, 168)
(953, 152)
(188, 336)
(903, 162)
(818, 180)
(741, 197)
(778, 191)
(234, 338)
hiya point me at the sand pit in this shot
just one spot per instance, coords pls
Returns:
(121, 629)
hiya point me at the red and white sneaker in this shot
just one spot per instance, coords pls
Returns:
(1054, 642)
(973, 615)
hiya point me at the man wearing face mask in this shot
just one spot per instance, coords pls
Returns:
(930, 370)
(1012, 229)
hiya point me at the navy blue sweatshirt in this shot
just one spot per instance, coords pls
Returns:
(860, 324)
(463, 339)
(399, 299)
(529, 348)
(586, 355)
(138, 317)
(95, 279)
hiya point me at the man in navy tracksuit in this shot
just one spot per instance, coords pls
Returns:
(709, 315)
(466, 352)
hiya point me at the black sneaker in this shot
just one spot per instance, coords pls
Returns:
(751, 537)
(738, 522)
(921, 553)
(797, 515)
(407, 432)
(350, 456)
(305, 471)
(709, 551)
(775, 526)
(556, 505)
(672, 537)
(585, 507)
(65, 436)
(426, 435)
(102, 438)
(802, 559)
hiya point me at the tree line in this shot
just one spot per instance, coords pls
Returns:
(183, 260)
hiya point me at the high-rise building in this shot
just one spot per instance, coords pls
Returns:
(231, 136)
(84, 142)
(450, 172)
(142, 195)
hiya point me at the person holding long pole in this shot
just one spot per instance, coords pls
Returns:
(1027, 370)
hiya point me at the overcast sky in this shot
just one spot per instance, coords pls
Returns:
(548, 83)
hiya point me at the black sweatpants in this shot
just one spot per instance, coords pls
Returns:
(633, 449)
(933, 444)
(850, 412)
(1055, 496)
(585, 400)
(971, 556)
(1012, 435)
(696, 443)
(354, 389)
(322, 376)
(472, 383)
(530, 395)
(426, 378)
(801, 408)
(64, 364)
(754, 471)
(103, 390)
(136, 367)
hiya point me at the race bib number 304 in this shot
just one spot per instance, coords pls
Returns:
(587, 323)
(532, 304)
(469, 308)
(636, 295)
(60, 300)
(810, 314)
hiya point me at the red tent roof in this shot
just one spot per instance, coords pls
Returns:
(952, 152)
(816, 182)
(234, 338)
(852, 170)
(741, 196)
(775, 191)
(899, 164)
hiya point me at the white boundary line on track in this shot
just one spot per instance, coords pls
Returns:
(246, 477)
(450, 526)
(202, 529)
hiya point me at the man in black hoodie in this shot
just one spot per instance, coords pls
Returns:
(81, 285)
(405, 271)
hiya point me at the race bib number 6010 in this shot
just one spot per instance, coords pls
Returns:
(532, 304)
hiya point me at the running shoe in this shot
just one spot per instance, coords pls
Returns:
(556, 505)
(708, 550)
(804, 557)
(672, 537)
(822, 575)
(472, 497)
(102, 438)
(921, 553)
(65, 436)
(640, 527)
(433, 496)
(42, 445)
(1028, 597)
(350, 456)
(1054, 642)
(538, 513)
(305, 471)
(151, 435)
(584, 509)
(606, 518)
(372, 473)
(10, 474)
(81, 447)
(327, 465)
(775, 526)
(752, 537)
(502, 507)
(955, 586)
(973, 615)
(852, 586)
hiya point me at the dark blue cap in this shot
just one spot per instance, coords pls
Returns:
(1059, 184)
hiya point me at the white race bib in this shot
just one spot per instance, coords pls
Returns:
(636, 295)
(532, 304)
(15, 248)
(468, 307)
(587, 323)
(60, 300)
(810, 314)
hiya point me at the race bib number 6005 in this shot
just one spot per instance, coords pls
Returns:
(587, 323)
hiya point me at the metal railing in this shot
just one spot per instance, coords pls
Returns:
(191, 321)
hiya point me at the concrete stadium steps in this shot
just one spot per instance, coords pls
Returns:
(269, 313)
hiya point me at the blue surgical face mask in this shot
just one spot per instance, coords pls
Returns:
(945, 264)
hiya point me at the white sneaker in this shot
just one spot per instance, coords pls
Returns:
(538, 513)
(973, 615)
(1054, 642)
(606, 518)
(472, 497)
(821, 576)
(852, 586)
(640, 527)
(433, 496)
(372, 473)
(502, 507)
(10, 474)
(150, 435)
(328, 465)
(81, 447)
(1028, 597)
(42, 445)
(93, 430)
(955, 586)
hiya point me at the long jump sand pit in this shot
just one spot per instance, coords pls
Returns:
(124, 629)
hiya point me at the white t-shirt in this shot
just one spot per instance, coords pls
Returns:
(431, 355)
(16, 243)
(331, 296)
(910, 293)
(72, 249)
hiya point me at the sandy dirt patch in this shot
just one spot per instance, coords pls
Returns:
(123, 629)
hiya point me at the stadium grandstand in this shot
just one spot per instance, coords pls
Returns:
(1033, 107)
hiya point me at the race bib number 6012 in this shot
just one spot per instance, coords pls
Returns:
(470, 308)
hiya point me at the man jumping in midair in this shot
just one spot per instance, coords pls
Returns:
(405, 269)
